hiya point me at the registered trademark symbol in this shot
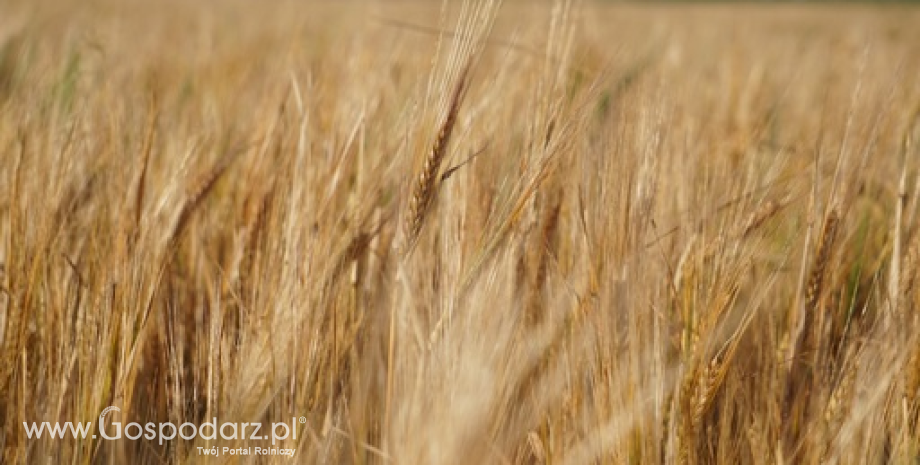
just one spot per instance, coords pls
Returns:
(303, 420)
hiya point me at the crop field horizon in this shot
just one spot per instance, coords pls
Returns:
(463, 232)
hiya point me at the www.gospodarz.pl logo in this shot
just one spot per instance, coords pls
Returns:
(168, 431)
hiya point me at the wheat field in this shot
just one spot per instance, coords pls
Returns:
(462, 232)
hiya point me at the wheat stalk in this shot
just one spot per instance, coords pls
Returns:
(800, 381)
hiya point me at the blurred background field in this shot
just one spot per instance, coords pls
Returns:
(535, 232)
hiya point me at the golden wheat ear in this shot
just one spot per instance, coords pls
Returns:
(429, 179)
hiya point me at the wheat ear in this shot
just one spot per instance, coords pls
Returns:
(428, 180)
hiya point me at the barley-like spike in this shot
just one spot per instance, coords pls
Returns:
(687, 428)
(354, 250)
(546, 248)
(142, 176)
(195, 196)
(713, 377)
(822, 258)
(548, 238)
(428, 180)
(799, 384)
(759, 217)
(835, 408)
